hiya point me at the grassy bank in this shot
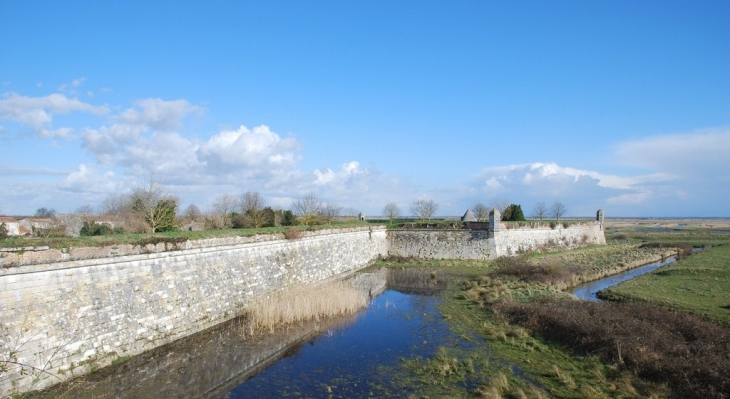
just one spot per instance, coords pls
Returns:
(538, 341)
(699, 285)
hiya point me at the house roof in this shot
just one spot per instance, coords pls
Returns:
(6, 219)
(469, 216)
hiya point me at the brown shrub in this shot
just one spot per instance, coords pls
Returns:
(292, 234)
(683, 248)
(523, 270)
(688, 354)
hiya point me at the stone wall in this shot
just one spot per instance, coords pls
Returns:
(483, 244)
(68, 317)
(68, 312)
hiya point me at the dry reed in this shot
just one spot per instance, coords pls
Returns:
(303, 303)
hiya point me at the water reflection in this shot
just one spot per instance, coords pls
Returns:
(337, 358)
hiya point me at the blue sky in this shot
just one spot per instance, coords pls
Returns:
(619, 105)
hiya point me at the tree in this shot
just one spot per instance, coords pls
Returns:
(223, 207)
(155, 206)
(85, 210)
(424, 209)
(192, 212)
(45, 213)
(288, 218)
(3, 231)
(557, 210)
(308, 209)
(252, 205)
(350, 212)
(95, 229)
(540, 211)
(513, 213)
(481, 212)
(330, 211)
(114, 204)
(500, 204)
(391, 210)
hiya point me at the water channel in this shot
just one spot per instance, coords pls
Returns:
(587, 291)
(353, 357)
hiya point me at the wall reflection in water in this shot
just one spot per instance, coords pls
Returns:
(334, 357)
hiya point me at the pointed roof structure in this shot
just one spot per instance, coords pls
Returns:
(469, 216)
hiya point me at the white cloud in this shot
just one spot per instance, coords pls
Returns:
(73, 85)
(247, 153)
(37, 112)
(89, 179)
(691, 154)
(158, 114)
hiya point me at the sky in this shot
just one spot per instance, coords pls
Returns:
(616, 105)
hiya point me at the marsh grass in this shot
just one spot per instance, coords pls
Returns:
(303, 303)
(667, 347)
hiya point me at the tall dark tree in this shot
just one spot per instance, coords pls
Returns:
(513, 213)
(45, 213)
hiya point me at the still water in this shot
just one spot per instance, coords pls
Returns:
(356, 361)
(587, 291)
(352, 357)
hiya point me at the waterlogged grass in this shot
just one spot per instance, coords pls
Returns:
(699, 284)
(514, 360)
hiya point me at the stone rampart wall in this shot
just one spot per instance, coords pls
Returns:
(67, 312)
(483, 244)
(68, 317)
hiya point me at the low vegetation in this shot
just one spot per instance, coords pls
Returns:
(699, 285)
(660, 345)
(303, 303)
(171, 236)
(653, 345)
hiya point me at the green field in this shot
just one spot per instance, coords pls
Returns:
(699, 284)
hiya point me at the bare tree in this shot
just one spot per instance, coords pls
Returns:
(192, 212)
(481, 211)
(391, 210)
(114, 204)
(540, 211)
(330, 211)
(308, 208)
(307, 205)
(154, 205)
(223, 207)
(85, 210)
(557, 210)
(350, 212)
(424, 209)
(252, 202)
(501, 204)
(252, 209)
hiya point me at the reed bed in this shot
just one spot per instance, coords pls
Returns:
(301, 303)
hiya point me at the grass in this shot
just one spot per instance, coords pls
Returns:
(666, 347)
(699, 284)
(613, 351)
(302, 303)
(171, 237)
